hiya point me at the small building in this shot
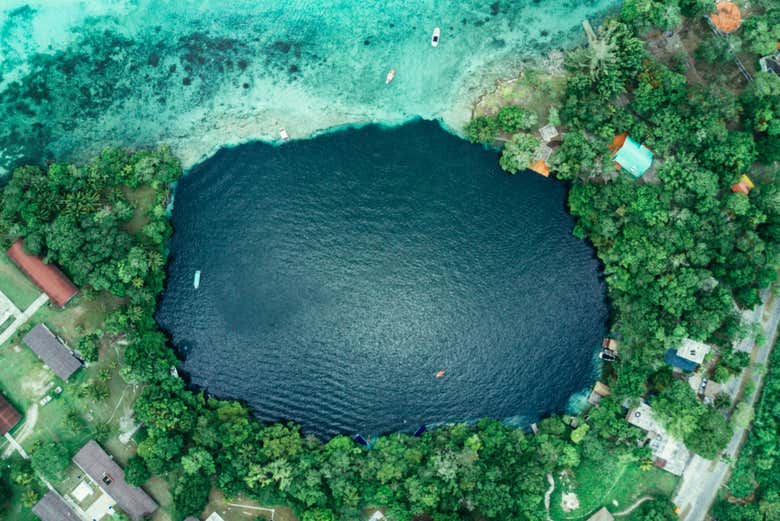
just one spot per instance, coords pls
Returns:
(377, 516)
(214, 517)
(46, 276)
(543, 152)
(541, 167)
(602, 515)
(726, 17)
(668, 453)
(51, 351)
(672, 358)
(771, 63)
(630, 156)
(743, 186)
(689, 356)
(642, 417)
(548, 133)
(611, 344)
(110, 477)
(693, 350)
(9, 416)
(599, 391)
(52, 507)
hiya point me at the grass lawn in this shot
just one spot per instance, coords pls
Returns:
(599, 484)
(16, 285)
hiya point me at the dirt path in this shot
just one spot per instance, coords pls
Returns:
(547, 495)
(634, 506)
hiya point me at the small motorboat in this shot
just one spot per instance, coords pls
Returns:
(435, 37)
(283, 134)
(390, 76)
(440, 374)
(607, 356)
(196, 281)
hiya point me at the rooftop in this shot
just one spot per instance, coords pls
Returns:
(669, 454)
(693, 350)
(51, 507)
(46, 276)
(540, 167)
(630, 155)
(110, 477)
(727, 17)
(672, 358)
(53, 352)
(743, 186)
(548, 132)
(642, 417)
(9, 416)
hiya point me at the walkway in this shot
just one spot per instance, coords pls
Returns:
(24, 317)
(547, 495)
(16, 446)
(703, 478)
(250, 507)
(633, 507)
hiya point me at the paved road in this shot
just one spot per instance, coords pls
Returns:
(703, 478)
(24, 317)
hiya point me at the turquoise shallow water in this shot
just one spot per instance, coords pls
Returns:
(77, 75)
(339, 274)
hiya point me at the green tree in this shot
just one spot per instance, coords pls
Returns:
(50, 459)
(482, 129)
(190, 494)
(513, 119)
(518, 153)
(136, 472)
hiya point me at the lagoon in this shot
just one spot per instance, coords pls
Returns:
(341, 273)
(79, 75)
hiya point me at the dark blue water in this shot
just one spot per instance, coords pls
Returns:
(339, 274)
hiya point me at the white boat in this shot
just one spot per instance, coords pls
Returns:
(196, 282)
(283, 134)
(435, 37)
(390, 76)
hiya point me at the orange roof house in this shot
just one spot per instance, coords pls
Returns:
(541, 167)
(743, 186)
(46, 276)
(727, 19)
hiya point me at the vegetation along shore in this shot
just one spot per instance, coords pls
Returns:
(687, 228)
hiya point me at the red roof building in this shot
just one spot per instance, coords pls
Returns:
(46, 276)
(9, 416)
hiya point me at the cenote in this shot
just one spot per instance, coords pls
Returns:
(341, 273)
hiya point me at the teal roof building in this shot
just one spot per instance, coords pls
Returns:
(633, 157)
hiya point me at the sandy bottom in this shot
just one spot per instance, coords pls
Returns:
(77, 76)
